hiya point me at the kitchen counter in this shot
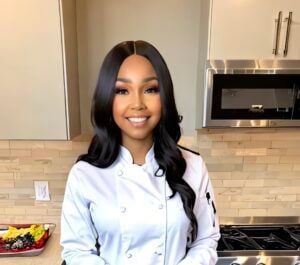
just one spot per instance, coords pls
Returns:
(50, 255)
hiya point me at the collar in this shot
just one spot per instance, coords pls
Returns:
(150, 162)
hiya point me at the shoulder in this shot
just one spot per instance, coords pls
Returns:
(196, 172)
(192, 158)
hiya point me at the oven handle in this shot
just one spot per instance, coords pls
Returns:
(287, 34)
(276, 33)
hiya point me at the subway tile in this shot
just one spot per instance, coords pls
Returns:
(217, 183)
(286, 197)
(45, 153)
(4, 152)
(15, 144)
(251, 152)
(285, 190)
(35, 211)
(55, 212)
(80, 146)
(277, 151)
(254, 167)
(293, 151)
(15, 210)
(252, 212)
(253, 197)
(236, 137)
(239, 205)
(296, 205)
(280, 167)
(7, 184)
(24, 203)
(254, 183)
(220, 175)
(6, 175)
(290, 159)
(239, 175)
(285, 144)
(56, 169)
(223, 167)
(9, 160)
(20, 152)
(296, 168)
(283, 212)
(3, 196)
(58, 145)
(228, 212)
(233, 183)
(4, 144)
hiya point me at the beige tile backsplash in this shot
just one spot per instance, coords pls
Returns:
(255, 172)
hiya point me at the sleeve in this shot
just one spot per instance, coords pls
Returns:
(78, 235)
(203, 250)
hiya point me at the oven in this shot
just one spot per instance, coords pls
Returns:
(252, 93)
(260, 241)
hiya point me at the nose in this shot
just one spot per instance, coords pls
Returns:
(137, 102)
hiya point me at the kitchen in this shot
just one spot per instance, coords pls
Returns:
(255, 171)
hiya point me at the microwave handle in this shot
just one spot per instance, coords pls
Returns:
(296, 97)
(276, 33)
(287, 34)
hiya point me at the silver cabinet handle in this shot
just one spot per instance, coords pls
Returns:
(277, 33)
(287, 35)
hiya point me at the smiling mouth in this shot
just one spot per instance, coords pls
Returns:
(137, 119)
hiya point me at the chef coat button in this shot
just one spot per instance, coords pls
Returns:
(160, 206)
(129, 255)
(120, 172)
(123, 209)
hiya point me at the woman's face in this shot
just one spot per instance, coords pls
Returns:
(137, 104)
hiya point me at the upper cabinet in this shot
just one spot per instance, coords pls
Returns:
(39, 79)
(254, 29)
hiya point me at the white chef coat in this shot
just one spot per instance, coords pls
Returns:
(130, 211)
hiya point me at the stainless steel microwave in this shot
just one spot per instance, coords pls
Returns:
(252, 93)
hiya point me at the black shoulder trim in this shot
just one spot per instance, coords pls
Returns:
(186, 149)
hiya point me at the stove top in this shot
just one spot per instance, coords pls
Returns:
(259, 241)
(259, 238)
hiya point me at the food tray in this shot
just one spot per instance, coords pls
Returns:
(23, 253)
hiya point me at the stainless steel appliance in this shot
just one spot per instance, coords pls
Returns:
(252, 93)
(260, 241)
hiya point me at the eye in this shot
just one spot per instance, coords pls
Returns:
(121, 91)
(152, 90)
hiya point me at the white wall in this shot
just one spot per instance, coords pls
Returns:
(171, 25)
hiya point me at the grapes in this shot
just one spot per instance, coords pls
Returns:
(19, 242)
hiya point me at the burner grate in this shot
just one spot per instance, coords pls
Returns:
(256, 237)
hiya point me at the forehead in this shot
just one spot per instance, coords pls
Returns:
(136, 65)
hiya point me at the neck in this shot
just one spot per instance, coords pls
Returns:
(138, 150)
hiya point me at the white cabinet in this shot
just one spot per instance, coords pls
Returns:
(35, 88)
(247, 29)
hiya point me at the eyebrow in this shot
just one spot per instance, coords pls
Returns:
(127, 80)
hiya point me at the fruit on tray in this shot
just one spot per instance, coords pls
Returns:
(32, 237)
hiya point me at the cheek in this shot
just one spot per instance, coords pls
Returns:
(117, 109)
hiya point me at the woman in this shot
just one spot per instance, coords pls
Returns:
(136, 197)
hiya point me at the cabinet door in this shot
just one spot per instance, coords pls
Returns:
(294, 37)
(32, 102)
(242, 29)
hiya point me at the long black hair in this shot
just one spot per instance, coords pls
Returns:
(105, 145)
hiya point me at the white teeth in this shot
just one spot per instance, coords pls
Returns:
(137, 119)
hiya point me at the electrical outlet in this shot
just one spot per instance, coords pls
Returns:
(41, 191)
